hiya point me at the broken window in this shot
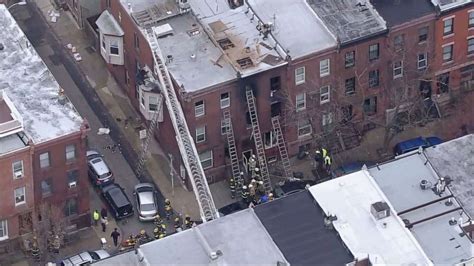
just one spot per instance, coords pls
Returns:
(346, 113)
(373, 52)
(245, 62)
(275, 109)
(422, 61)
(350, 86)
(374, 78)
(327, 119)
(423, 34)
(225, 43)
(270, 139)
(443, 83)
(425, 89)
(370, 105)
(275, 84)
(349, 59)
(248, 121)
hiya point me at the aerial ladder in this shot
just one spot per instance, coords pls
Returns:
(262, 161)
(234, 159)
(285, 159)
(184, 139)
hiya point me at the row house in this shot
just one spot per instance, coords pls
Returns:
(42, 145)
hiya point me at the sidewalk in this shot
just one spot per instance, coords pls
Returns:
(126, 117)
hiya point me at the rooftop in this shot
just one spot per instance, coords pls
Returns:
(11, 121)
(445, 5)
(426, 213)
(296, 27)
(385, 241)
(148, 12)
(108, 25)
(208, 8)
(401, 11)
(12, 143)
(240, 237)
(349, 20)
(196, 61)
(296, 224)
(31, 86)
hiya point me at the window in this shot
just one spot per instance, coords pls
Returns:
(114, 47)
(347, 113)
(448, 53)
(199, 108)
(374, 78)
(448, 27)
(107, 3)
(324, 94)
(46, 187)
(17, 168)
(270, 139)
(422, 60)
(206, 159)
(300, 101)
(299, 75)
(225, 100)
(224, 127)
(70, 152)
(72, 178)
(19, 196)
(44, 160)
(70, 208)
(327, 119)
(470, 46)
(370, 106)
(422, 34)
(374, 52)
(103, 43)
(398, 41)
(350, 86)
(136, 41)
(324, 66)
(443, 83)
(153, 103)
(275, 109)
(200, 134)
(3, 230)
(471, 19)
(275, 84)
(349, 59)
(398, 69)
(304, 128)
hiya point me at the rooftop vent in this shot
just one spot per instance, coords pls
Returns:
(225, 43)
(380, 210)
(245, 62)
(215, 254)
(424, 184)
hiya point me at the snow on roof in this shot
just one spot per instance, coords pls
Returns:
(385, 241)
(108, 25)
(240, 237)
(445, 5)
(421, 208)
(296, 26)
(31, 86)
(349, 20)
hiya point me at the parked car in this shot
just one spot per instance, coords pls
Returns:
(351, 168)
(145, 195)
(99, 172)
(85, 258)
(118, 201)
(413, 144)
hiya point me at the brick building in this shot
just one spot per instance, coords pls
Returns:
(325, 81)
(42, 142)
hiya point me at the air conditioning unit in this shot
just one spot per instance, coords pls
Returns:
(72, 184)
(380, 210)
(18, 174)
(184, 4)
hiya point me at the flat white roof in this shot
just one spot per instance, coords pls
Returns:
(296, 26)
(31, 87)
(445, 5)
(385, 241)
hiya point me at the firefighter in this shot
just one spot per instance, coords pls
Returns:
(251, 191)
(232, 187)
(256, 174)
(35, 251)
(56, 244)
(245, 194)
(270, 197)
(187, 222)
(252, 164)
(260, 188)
(168, 209)
(327, 163)
(157, 221)
(177, 224)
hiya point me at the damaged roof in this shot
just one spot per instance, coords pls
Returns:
(108, 25)
(400, 11)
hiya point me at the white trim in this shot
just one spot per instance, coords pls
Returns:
(223, 103)
(446, 44)
(450, 17)
(210, 158)
(24, 196)
(304, 127)
(328, 93)
(298, 82)
(297, 103)
(323, 72)
(196, 107)
(18, 174)
(400, 68)
(201, 131)
(425, 54)
(4, 224)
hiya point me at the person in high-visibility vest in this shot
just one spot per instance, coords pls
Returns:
(96, 217)
(327, 163)
(232, 187)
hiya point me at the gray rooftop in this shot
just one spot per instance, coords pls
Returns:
(147, 12)
(108, 25)
(31, 86)
(349, 20)
(445, 5)
(455, 159)
(206, 68)
(296, 27)
(12, 143)
(402, 11)
(208, 8)
(240, 237)
(426, 213)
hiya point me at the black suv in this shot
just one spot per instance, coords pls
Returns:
(118, 201)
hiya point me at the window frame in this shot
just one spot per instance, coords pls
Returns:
(302, 75)
(4, 229)
(451, 26)
(470, 45)
(22, 170)
(15, 196)
(373, 73)
(272, 137)
(300, 103)
(374, 54)
(198, 106)
(73, 173)
(451, 48)
(211, 159)
(325, 94)
(422, 35)
(224, 127)
(150, 104)
(351, 61)
(67, 152)
(346, 92)
(470, 19)
(324, 67)
(399, 41)
(425, 60)
(302, 125)
(198, 134)
(114, 44)
(49, 182)
(327, 119)
(68, 207)
(397, 70)
(225, 102)
(42, 160)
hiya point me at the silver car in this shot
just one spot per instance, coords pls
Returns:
(85, 258)
(145, 195)
(99, 172)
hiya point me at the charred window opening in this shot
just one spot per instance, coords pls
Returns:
(425, 89)
(245, 62)
(275, 109)
(247, 119)
(370, 106)
(347, 113)
(443, 83)
(275, 84)
(225, 43)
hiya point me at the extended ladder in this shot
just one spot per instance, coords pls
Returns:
(282, 147)
(149, 135)
(234, 159)
(262, 161)
(185, 141)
